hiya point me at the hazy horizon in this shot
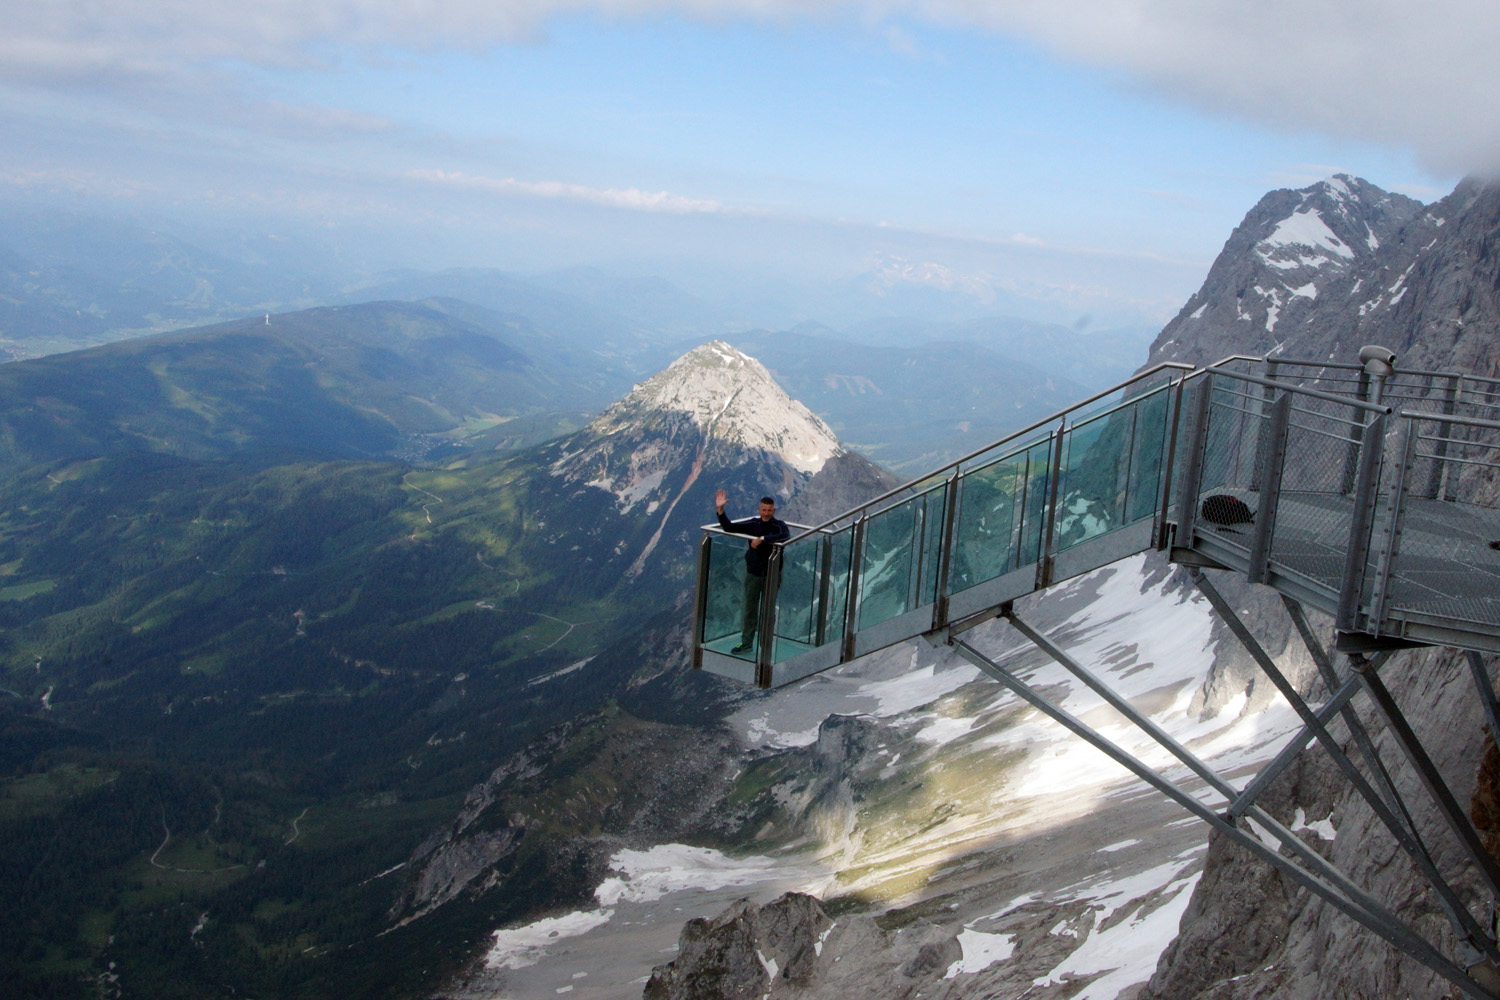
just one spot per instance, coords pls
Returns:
(1080, 164)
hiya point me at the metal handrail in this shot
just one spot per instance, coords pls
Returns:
(1215, 368)
(1328, 397)
(1356, 366)
(1449, 418)
(1059, 415)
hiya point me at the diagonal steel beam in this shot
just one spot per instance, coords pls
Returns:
(1287, 839)
(1474, 938)
(1471, 935)
(1335, 705)
(1458, 821)
(1379, 922)
(1486, 693)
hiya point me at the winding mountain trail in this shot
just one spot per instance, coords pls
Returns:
(296, 832)
(514, 579)
(571, 627)
(167, 839)
(425, 511)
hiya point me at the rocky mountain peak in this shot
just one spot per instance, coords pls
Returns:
(1296, 255)
(732, 400)
(1335, 222)
(712, 419)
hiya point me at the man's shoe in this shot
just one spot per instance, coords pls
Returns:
(743, 647)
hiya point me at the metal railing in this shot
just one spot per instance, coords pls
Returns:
(1062, 496)
(1306, 484)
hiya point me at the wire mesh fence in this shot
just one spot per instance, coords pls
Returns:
(1438, 542)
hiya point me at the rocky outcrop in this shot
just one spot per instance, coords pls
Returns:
(845, 481)
(1320, 272)
(745, 952)
(584, 789)
(793, 947)
(1299, 275)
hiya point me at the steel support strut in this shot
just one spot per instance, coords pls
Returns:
(1286, 838)
(1458, 821)
(1473, 937)
(1377, 920)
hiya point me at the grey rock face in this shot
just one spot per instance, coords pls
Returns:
(847, 480)
(792, 947)
(745, 952)
(1424, 284)
(1250, 933)
(1294, 274)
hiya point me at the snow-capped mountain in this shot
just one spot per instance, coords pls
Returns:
(1298, 258)
(714, 419)
(712, 403)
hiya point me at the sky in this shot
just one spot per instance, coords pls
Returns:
(1094, 155)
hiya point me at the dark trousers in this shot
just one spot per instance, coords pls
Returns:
(755, 586)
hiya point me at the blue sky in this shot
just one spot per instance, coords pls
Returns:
(1095, 158)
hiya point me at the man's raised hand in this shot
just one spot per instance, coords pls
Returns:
(720, 499)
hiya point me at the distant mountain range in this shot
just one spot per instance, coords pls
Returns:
(307, 687)
(71, 279)
(911, 407)
(374, 380)
(251, 664)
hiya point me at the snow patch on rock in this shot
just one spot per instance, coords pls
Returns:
(1304, 231)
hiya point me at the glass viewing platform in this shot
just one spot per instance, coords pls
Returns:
(1372, 499)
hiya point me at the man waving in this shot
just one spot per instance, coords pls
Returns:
(767, 530)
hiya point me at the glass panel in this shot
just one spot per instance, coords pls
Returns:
(813, 593)
(998, 526)
(797, 594)
(1096, 468)
(885, 578)
(1153, 414)
(723, 615)
(1034, 508)
(836, 601)
(932, 543)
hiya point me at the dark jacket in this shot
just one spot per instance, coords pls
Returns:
(756, 557)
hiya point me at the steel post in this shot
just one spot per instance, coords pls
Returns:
(1159, 532)
(825, 588)
(1192, 470)
(1271, 462)
(945, 556)
(765, 662)
(1049, 523)
(851, 606)
(1357, 553)
(1390, 537)
(700, 598)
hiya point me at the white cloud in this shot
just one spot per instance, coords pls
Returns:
(1416, 75)
(628, 198)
